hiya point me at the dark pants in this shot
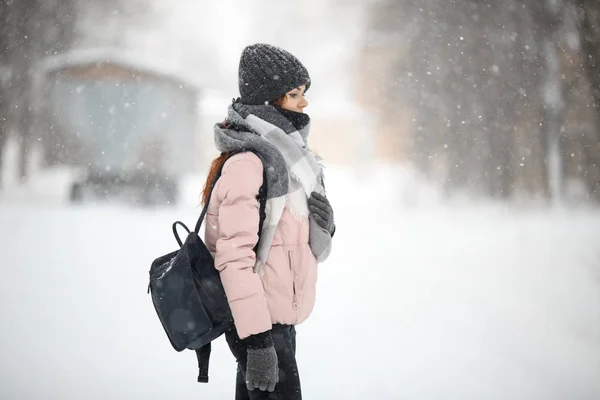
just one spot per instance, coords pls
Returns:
(288, 387)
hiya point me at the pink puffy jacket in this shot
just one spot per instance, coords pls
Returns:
(286, 292)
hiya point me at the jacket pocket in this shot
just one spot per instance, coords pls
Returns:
(295, 304)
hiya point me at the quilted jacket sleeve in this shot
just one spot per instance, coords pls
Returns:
(238, 219)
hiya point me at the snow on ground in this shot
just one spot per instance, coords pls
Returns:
(418, 301)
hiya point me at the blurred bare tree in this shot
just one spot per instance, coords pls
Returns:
(495, 91)
(29, 30)
(588, 12)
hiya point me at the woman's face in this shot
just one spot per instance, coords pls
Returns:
(294, 100)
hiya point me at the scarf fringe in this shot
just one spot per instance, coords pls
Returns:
(297, 205)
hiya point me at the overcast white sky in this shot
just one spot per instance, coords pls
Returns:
(207, 37)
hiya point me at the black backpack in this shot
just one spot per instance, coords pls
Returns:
(187, 292)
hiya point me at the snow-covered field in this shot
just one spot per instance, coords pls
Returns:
(422, 301)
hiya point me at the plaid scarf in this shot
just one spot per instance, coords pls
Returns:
(293, 172)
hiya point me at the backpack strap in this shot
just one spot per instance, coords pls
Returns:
(212, 186)
(262, 203)
(203, 354)
(262, 196)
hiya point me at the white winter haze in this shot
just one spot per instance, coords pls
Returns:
(461, 144)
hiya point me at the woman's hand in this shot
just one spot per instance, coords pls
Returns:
(321, 211)
(262, 370)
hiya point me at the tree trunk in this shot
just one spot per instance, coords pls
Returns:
(554, 120)
(25, 123)
(590, 47)
(29, 31)
(3, 137)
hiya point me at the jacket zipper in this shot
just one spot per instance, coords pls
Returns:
(295, 298)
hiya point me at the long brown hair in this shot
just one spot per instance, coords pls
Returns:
(218, 162)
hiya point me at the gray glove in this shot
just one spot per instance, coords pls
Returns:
(262, 370)
(321, 211)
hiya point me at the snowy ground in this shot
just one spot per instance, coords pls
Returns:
(417, 302)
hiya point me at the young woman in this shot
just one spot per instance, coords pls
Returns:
(270, 288)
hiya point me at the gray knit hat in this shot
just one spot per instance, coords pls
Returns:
(267, 72)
